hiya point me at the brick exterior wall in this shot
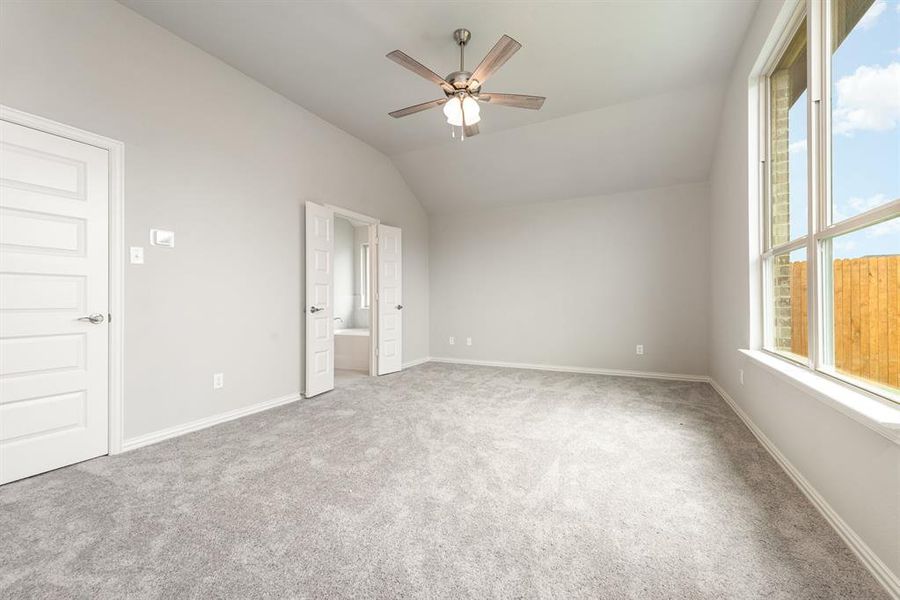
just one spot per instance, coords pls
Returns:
(780, 207)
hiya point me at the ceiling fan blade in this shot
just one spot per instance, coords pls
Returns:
(470, 130)
(514, 100)
(411, 110)
(499, 54)
(419, 69)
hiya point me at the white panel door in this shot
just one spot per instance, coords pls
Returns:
(54, 196)
(390, 300)
(319, 299)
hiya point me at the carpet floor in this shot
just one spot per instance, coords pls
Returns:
(443, 481)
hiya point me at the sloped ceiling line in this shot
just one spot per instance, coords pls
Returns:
(632, 88)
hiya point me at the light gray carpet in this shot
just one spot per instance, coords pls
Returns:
(438, 482)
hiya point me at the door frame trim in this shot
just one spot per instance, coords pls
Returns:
(372, 223)
(116, 329)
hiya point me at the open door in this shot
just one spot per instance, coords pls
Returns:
(54, 373)
(390, 300)
(319, 299)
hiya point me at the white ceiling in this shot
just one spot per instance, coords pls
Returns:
(584, 56)
(652, 142)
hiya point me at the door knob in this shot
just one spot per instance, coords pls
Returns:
(315, 309)
(399, 307)
(95, 318)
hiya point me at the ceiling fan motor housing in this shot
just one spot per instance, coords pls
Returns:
(458, 79)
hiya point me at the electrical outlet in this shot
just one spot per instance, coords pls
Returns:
(741, 375)
(137, 255)
(452, 340)
(468, 341)
(639, 349)
(218, 381)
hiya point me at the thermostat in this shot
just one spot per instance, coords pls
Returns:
(161, 237)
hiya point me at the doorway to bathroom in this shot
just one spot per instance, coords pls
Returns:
(352, 321)
(354, 297)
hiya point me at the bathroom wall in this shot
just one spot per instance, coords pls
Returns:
(344, 268)
(360, 237)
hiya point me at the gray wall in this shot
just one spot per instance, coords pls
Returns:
(225, 163)
(576, 283)
(854, 468)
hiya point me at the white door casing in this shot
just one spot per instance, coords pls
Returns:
(54, 237)
(390, 299)
(319, 299)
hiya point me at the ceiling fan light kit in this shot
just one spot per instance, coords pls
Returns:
(462, 109)
(462, 89)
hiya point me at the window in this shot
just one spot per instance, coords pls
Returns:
(364, 271)
(787, 122)
(831, 243)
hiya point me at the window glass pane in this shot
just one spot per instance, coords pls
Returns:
(789, 301)
(865, 105)
(866, 304)
(787, 143)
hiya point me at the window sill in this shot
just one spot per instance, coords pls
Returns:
(874, 414)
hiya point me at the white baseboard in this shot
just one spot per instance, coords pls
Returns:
(413, 363)
(567, 369)
(170, 432)
(869, 559)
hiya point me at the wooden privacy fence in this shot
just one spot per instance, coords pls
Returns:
(866, 316)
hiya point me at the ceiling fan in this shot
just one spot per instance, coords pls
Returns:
(462, 89)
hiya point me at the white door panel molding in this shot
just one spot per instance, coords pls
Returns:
(319, 299)
(54, 303)
(390, 299)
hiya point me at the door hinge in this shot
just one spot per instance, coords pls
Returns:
(109, 317)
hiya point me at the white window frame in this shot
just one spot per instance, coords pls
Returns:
(820, 231)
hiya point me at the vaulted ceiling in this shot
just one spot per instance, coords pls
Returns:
(633, 88)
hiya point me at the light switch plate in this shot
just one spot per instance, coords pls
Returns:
(137, 255)
(161, 237)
